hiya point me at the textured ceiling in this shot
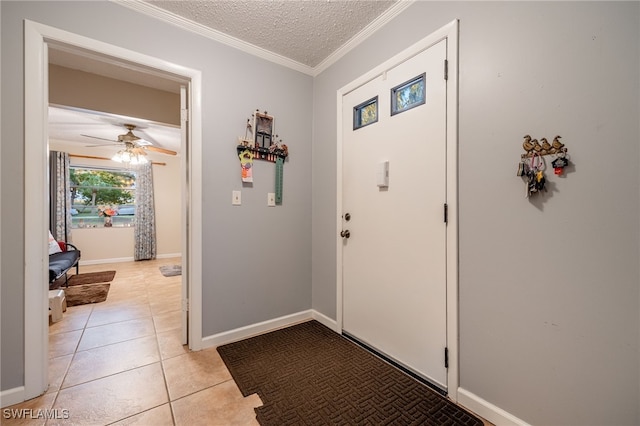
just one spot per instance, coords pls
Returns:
(304, 31)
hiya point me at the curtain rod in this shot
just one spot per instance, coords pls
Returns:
(93, 157)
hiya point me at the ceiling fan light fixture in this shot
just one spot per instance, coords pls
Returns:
(127, 156)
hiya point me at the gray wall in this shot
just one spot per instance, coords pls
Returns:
(549, 300)
(256, 260)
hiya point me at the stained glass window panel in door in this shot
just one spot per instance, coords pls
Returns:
(409, 94)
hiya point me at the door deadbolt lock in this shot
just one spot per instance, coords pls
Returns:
(345, 234)
(347, 217)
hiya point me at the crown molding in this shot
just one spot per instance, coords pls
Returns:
(186, 24)
(364, 34)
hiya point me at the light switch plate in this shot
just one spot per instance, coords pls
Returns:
(271, 199)
(236, 198)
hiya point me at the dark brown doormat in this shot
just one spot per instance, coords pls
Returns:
(309, 375)
(88, 288)
(92, 278)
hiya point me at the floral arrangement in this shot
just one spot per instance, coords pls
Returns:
(107, 211)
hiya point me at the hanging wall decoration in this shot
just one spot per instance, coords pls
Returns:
(261, 143)
(246, 165)
(532, 163)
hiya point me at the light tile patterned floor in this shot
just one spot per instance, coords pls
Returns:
(121, 362)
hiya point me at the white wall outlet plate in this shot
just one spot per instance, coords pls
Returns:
(271, 199)
(236, 198)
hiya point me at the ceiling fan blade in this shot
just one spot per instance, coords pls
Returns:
(102, 145)
(96, 137)
(161, 150)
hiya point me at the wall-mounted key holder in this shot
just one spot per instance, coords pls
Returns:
(532, 164)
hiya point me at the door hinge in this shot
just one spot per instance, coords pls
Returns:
(446, 69)
(446, 357)
(184, 114)
(446, 213)
(185, 305)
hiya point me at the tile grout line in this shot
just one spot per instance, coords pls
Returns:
(66, 371)
(164, 374)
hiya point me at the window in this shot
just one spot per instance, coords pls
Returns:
(366, 113)
(409, 94)
(99, 192)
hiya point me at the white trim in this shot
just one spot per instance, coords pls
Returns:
(364, 34)
(450, 33)
(256, 329)
(453, 376)
(168, 255)
(325, 320)
(488, 411)
(12, 396)
(36, 336)
(124, 259)
(186, 24)
(194, 217)
(103, 261)
(37, 36)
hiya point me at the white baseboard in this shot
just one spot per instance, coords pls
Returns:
(265, 327)
(490, 412)
(124, 259)
(101, 261)
(11, 396)
(168, 255)
(325, 320)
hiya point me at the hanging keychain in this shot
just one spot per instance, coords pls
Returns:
(521, 167)
(535, 175)
(560, 163)
(540, 179)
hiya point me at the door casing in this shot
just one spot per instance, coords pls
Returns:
(37, 37)
(449, 33)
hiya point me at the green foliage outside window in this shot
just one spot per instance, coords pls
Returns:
(92, 189)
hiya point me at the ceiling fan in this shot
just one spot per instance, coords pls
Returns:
(134, 146)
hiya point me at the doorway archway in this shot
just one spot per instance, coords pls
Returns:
(37, 39)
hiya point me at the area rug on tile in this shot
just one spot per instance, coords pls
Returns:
(88, 288)
(308, 374)
(92, 278)
(171, 270)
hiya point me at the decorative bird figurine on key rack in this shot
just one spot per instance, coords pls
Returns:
(536, 146)
(557, 144)
(527, 145)
(546, 147)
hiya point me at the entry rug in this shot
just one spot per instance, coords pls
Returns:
(308, 374)
(171, 270)
(88, 288)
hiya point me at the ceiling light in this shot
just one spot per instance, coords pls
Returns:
(130, 156)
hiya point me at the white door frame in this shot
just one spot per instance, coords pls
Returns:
(36, 102)
(449, 33)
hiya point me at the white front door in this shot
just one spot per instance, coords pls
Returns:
(394, 257)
